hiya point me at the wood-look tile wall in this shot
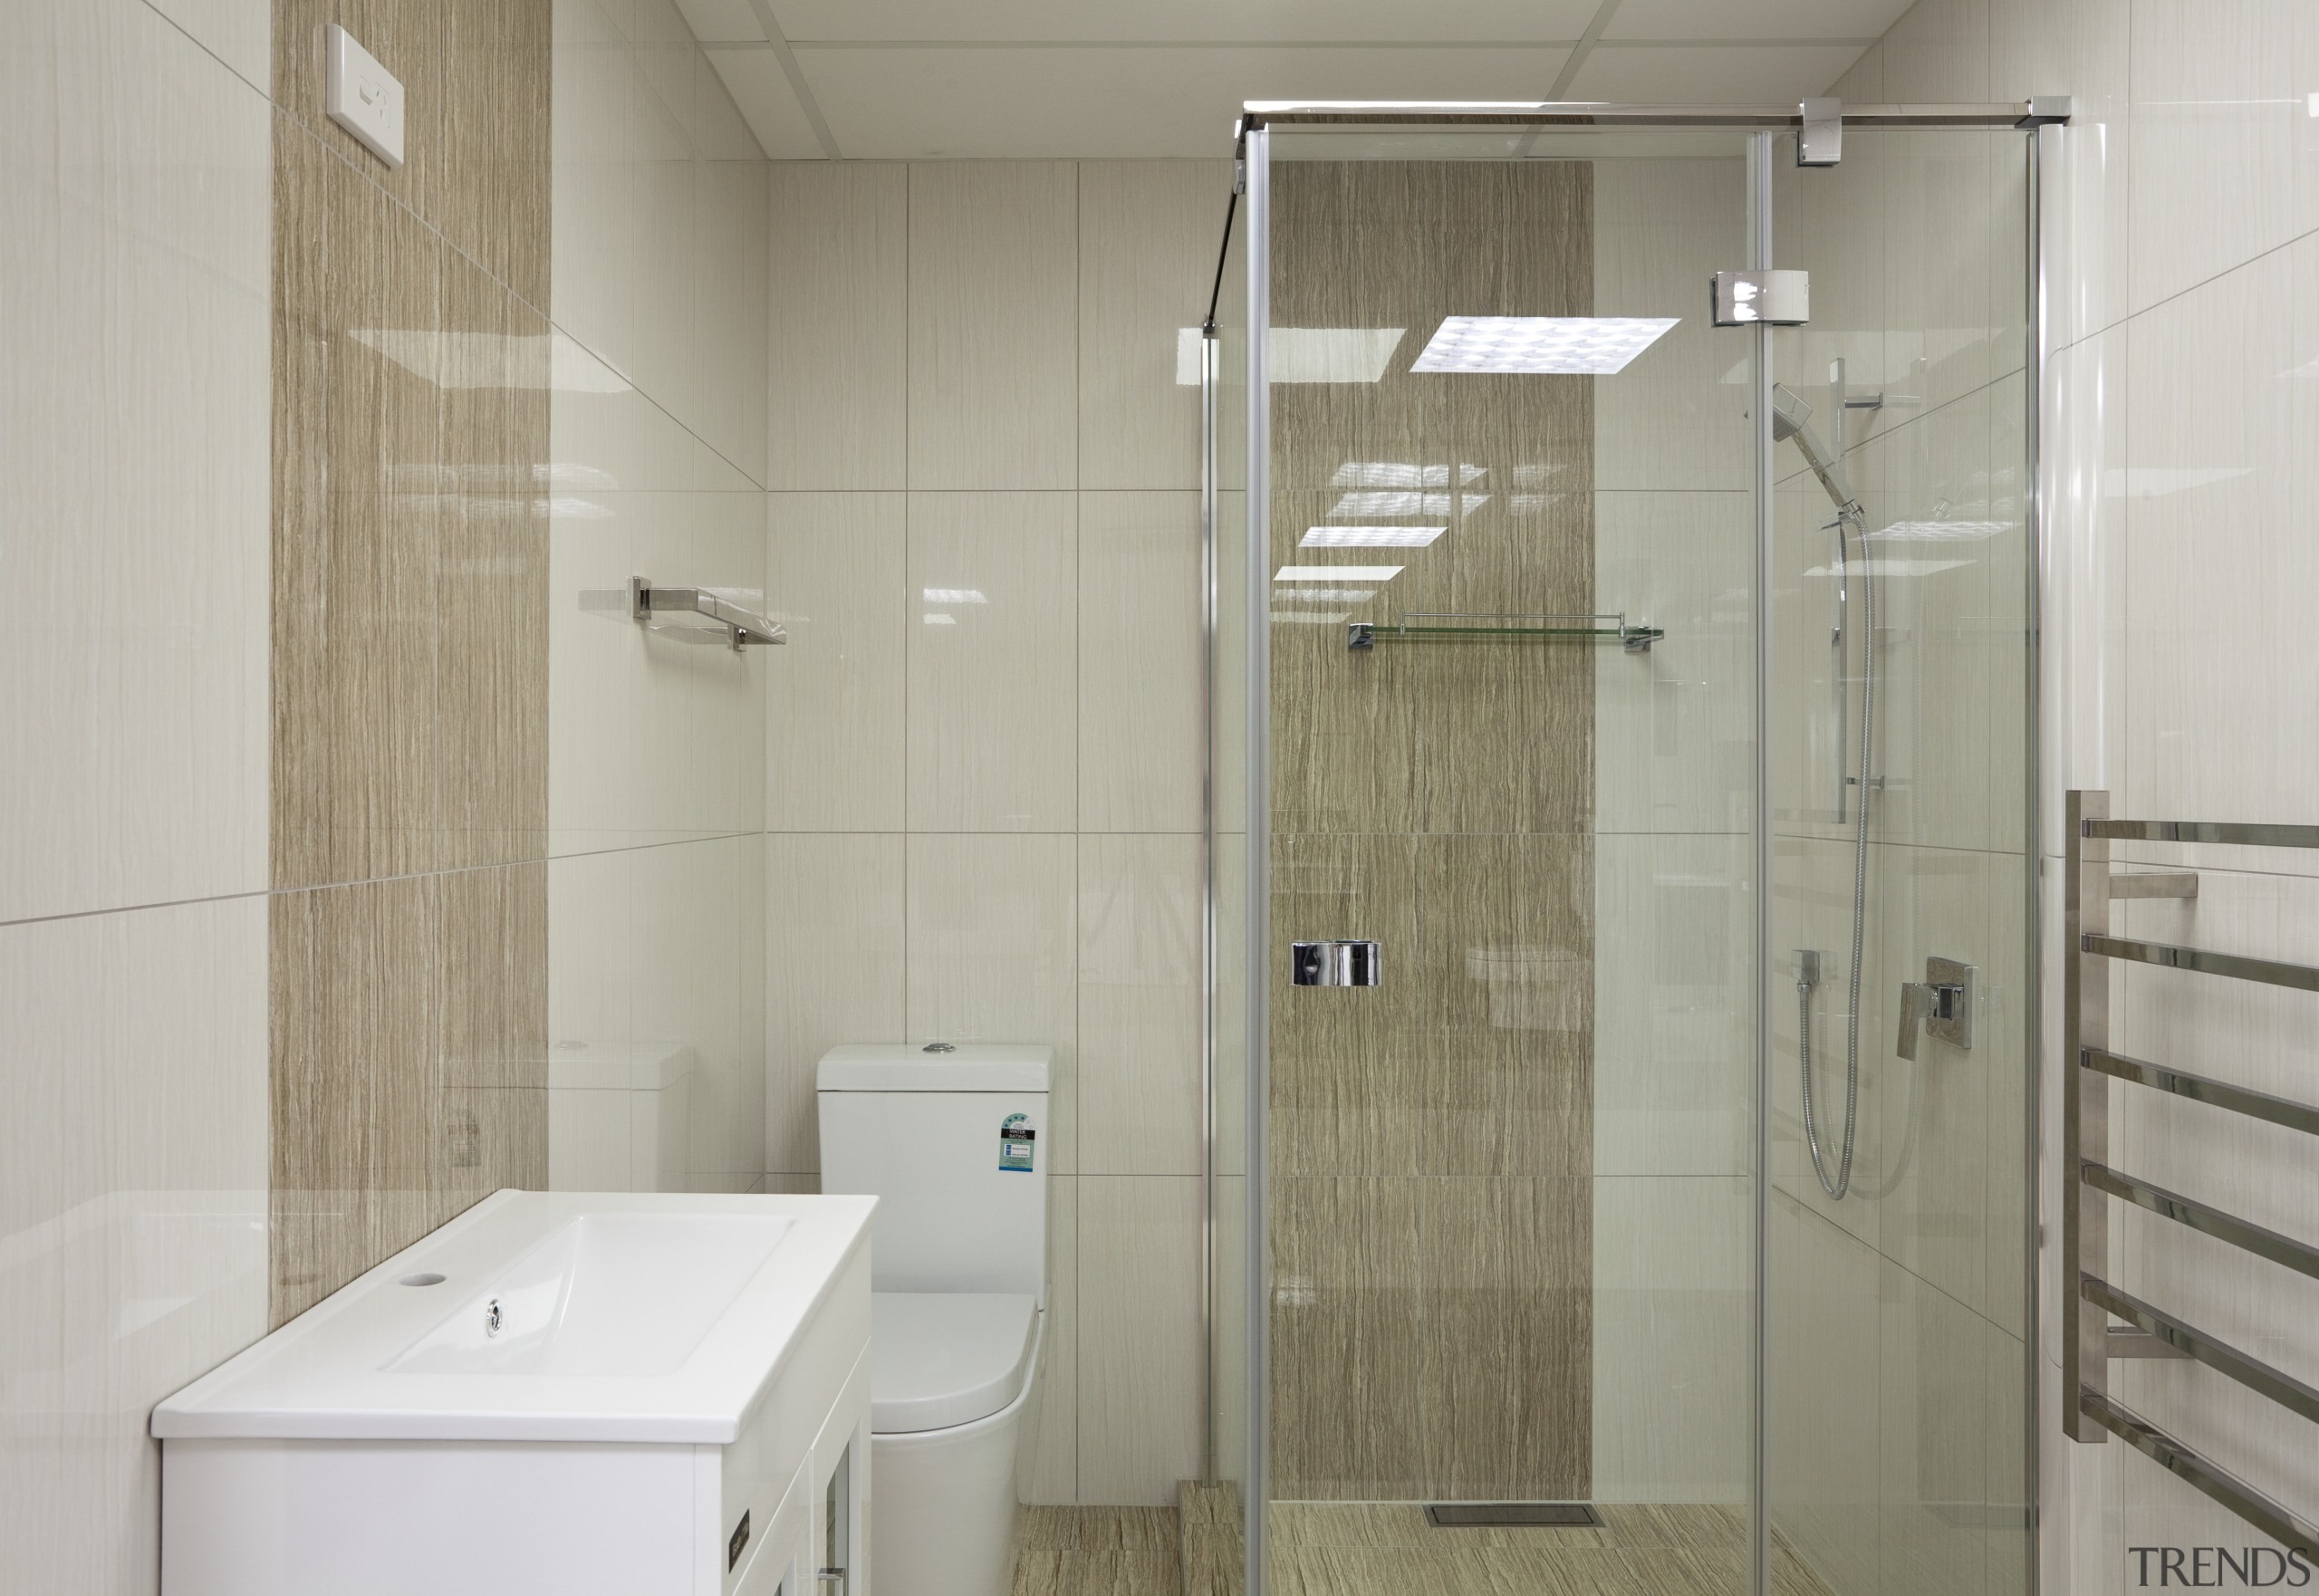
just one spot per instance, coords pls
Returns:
(1433, 1136)
(409, 919)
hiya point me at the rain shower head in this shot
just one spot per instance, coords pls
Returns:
(1792, 418)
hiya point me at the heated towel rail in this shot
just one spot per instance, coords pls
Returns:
(2089, 1412)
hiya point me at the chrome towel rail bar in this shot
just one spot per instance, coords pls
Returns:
(2089, 1341)
(741, 627)
(1445, 627)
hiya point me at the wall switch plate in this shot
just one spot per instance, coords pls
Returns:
(361, 96)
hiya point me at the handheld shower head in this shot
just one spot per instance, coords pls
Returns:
(1791, 419)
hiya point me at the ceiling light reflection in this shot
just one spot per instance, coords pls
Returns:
(1369, 537)
(1337, 573)
(1546, 346)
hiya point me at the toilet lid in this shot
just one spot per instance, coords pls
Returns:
(938, 1359)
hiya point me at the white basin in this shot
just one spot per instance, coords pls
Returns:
(644, 1316)
(598, 1394)
(608, 1293)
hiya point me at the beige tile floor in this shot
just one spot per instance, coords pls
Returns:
(1098, 1552)
(1387, 1549)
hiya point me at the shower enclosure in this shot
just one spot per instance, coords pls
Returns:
(1622, 653)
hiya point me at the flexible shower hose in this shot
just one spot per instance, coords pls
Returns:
(1841, 1182)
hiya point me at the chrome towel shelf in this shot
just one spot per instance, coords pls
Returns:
(2089, 1341)
(741, 627)
(1445, 628)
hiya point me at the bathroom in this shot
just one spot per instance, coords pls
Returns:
(671, 537)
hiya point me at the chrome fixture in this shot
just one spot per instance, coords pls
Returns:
(1792, 420)
(1344, 963)
(740, 627)
(492, 1318)
(1942, 1005)
(1842, 402)
(1820, 141)
(1769, 299)
(1438, 628)
(2089, 1413)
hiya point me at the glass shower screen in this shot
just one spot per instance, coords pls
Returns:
(1546, 667)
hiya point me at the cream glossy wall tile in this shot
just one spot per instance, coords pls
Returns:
(992, 325)
(1139, 1337)
(1822, 1296)
(993, 954)
(133, 453)
(1140, 1004)
(1672, 1070)
(1676, 418)
(2226, 165)
(835, 577)
(2216, 411)
(1148, 236)
(132, 1213)
(834, 962)
(1673, 1306)
(733, 314)
(239, 32)
(1047, 1459)
(1140, 727)
(991, 629)
(1939, 53)
(841, 326)
(1664, 758)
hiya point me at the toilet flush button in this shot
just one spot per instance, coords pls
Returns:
(361, 96)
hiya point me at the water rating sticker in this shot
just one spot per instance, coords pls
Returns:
(1016, 1141)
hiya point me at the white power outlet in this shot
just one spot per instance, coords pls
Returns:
(361, 96)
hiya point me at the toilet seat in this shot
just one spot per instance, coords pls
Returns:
(938, 1359)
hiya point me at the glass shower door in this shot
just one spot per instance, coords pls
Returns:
(1898, 1294)
(1508, 666)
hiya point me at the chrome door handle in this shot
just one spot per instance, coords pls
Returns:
(1343, 963)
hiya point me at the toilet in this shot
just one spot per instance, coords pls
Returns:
(951, 1143)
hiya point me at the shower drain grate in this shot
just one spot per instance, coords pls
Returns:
(1480, 1515)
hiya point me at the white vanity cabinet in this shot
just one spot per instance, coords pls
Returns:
(588, 1411)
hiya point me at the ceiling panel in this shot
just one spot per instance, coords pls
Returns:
(755, 79)
(898, 102)
(1678, 75)
(1758, 19)
(1183, 21)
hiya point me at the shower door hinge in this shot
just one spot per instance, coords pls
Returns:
(1771, 299)
(1820, 141)
(1239, 177)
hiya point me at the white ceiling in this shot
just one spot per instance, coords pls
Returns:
(906, 79)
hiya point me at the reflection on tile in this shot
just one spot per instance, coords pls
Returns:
(1139, 1337)
(840, 289)
(1140, 1004)
(993, 319)
(136, 769)
(991, 640)
(835, 577)
(834, 957)
(1140, 662)
(992, 940)
(1147, 257)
